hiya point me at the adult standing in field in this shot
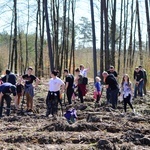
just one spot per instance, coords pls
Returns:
(56, 88)
(110, 71)
(69, 82)
(29, 88)
(9, 77)
(144, 78)
(139, 82)
(5, 90)
(112, 84)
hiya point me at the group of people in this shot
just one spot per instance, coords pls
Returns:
(113, 89)
(72, 86)
(12, 84)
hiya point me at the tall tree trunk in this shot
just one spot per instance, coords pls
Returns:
(48, 37)
(10, 41)
(107, 53)
(67, 35)
(148, 23)
(134, 44)
(120, 35)
(73, 38)
(94, 39)
(102, 38)
(36, 39)
(113, 32)
(125, 32)
(64, 35)
(27, 53)
(56, 32)
(139, 32)
(14, 49)
(41, 67)
(131, 37)
(20, 59)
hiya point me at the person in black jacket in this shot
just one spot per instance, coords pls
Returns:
(145, 79)
(139, 82)
(112, 84)
(110, 71)
(69, 81)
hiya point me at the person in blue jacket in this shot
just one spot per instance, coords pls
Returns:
(5, 90)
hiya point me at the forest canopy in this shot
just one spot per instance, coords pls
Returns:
(48, 34)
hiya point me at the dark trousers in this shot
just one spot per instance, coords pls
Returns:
(127, 101)
(144, 87)
(98, 98)
(52, 102)
(69, 94)
(114, 97)
(8, 102)
(80, 95)
(108, 91)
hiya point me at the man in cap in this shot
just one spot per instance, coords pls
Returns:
(5, 90)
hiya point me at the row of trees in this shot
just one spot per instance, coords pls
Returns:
(53, 44)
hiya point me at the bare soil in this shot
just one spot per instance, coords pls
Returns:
(96, 128)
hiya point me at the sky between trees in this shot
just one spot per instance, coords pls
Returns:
(82, 10)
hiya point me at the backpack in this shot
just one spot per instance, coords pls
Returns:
(85, 80)
(82, 80)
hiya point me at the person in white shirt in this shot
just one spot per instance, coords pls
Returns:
(56, 87)
(83, 71)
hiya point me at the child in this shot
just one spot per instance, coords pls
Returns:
(126, 91)
(19, 91)
(98, 89)
(70, 115)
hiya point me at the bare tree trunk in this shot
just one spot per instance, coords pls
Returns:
(27, 53)
(67, 35)
(10, 42)
(63, 48)
(73, 38)
(41, 67)
(134, 44)
(139, 32)
(113, 32)
(120, 35)
(107, 54)
(102, 38)
(131, 37)
(20, 59)
(125, 32)
(36, 43)
(48, 37)
(148, 23)
(14, 49)
(94, 39)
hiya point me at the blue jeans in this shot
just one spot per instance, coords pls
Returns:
(139, 88)
(114, 97)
